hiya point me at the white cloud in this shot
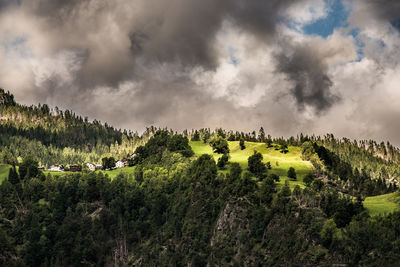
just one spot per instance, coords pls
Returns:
(303, 13)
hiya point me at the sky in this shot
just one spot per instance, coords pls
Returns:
(310, 66)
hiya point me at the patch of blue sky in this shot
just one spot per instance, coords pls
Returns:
(16, 46)
(232, 56)
(396, 23)
(5, 3)
(359, 43)
(336, 18)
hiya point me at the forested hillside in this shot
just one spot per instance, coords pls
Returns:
(177, 209)
(196, 198)
(53, 136)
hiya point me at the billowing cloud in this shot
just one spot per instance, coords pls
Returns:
(386, 10)
(311, 83)
(190, 64)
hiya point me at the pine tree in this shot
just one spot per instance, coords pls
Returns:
(261, 135)
(13, 176)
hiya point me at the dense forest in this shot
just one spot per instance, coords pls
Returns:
(176, 211)
(182, 209)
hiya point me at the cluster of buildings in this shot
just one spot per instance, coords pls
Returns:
(122, 163)
(92, 167)
(61, 168)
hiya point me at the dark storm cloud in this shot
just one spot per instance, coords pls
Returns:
(312, 85)
(181, 32)
(259, 17)
(7, 3)
(56, 11)
(385, 9)
(184, 31)
(115, 42)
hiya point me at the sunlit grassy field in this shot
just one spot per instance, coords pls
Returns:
(112, 174)
(4, 169)
(382, 204)
(280, 162)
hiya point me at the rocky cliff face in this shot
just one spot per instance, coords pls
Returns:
(230, 233)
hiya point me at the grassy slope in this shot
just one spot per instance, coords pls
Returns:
(375, 205)
(112, 174)
(4, 169)
(280, 162)
(382, 204)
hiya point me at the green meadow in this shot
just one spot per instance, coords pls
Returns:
(112, 174)
(4, 169)
(280, 162)
(382, 204)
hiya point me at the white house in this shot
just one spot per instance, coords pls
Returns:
(56, 168)
(91, 166)
(94, 167)
(98, 167)
(119, 164)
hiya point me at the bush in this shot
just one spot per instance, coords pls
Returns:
(241, 143)
(292, 173)
(219, 145)
(180, 144)
(274, 177)
(222, 161)
(308, 179)
(256, 166)
(268, 165)
(328, 232)
(235, 171)
(28, 168)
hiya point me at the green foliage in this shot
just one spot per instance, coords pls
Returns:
(308, 179)
(180, 144)
(219, 145)
(241, 144)
(160, 142)
(204, 169)
(256, 166)
(329, 232)
(383, 204)
(13, 176)
(196, 136)
(244, 185)
(28, 168)
(307, 150)
(267, 191)
(6, 157)
(268, 142)
(292, 173)
(108, 163)
(235, 171)
(359, 181)
(222, 161)
(205, 136)
(6, 99)
(4, 172)
(177, 208)
(284, 148)
(172, 209)
(274, 177)
(268, 165)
